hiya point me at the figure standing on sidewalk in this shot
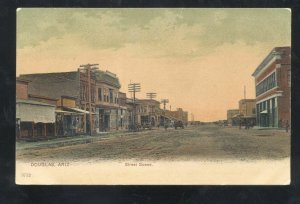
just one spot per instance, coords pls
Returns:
(287, 126)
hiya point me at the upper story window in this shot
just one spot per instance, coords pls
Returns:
(100, 94)
(267, 84)
(111, 95)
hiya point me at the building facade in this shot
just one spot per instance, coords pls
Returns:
(170, 117)
(148, 112)
(247, 107)
(69, 84)
(273, 88)
(34, 119)
(107, 101)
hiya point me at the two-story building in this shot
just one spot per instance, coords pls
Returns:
(273, 88)
(72, 84)
(148, 111)
(107, 100)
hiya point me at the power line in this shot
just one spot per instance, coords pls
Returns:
(165, 101)
(133, 88)
(88, 68)
(151, 96)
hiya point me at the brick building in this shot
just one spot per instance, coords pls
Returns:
(273, 88)
(107, 100)
(54, 85)
(22, 89)
(34, 119)
(70, 84)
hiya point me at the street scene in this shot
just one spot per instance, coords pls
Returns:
(163, 85)
(205, 142)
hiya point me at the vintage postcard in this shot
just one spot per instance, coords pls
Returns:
(153, 96)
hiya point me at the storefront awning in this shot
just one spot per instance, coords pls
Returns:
(265, 112)
(67, 112)
(79, 110)
(32, 111)
(249, 116)
(169, 117)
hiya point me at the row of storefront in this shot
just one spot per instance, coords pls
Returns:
(64, 97)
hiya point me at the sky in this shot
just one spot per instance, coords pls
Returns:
(199, 59)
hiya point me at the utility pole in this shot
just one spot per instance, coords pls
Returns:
(151, 96)
(165, 101)
(245, 100)
(133, 88)
(88, 68)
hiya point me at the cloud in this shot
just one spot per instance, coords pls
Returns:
(184, 33)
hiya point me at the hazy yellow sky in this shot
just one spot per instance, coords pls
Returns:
(199, 59)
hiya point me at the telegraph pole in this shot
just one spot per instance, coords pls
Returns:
(88, 68)
(245, 100)
(151, 96)
(165, 101)
(133, 88)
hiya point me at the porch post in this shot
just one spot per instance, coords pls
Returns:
(55, 134)
(45, 129)
(32, 128)
(63, 124)
(19, 129)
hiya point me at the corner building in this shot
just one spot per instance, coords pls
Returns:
(273, 88)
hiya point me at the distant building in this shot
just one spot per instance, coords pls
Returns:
(125, 111)
(148, 111)
(273, 88)
(247, 110)
(247, 107)
(177, 115)
(231, 114)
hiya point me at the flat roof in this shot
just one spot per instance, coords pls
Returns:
(33, 102)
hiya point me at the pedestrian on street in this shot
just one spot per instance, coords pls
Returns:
(287, 126)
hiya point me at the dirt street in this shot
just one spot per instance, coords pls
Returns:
(206, 142)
